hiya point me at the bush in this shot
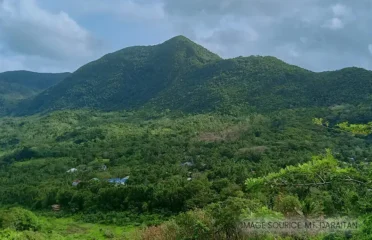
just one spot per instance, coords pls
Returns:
(19, 219)
(197, 224)
(9, 234)
(288, 205)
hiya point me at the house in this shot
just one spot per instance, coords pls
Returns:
(118, 181)
(72, 170)
(75, 183)
(56, 207)
(103, 167)
(188, 164)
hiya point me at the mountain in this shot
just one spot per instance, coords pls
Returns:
(181, 75)
(17, 85)
(125, 79)
(253, 82)
(265, 84)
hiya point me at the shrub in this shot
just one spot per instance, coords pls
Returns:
(288, 205)
(19, 219)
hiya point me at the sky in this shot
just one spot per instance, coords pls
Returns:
(58, 36)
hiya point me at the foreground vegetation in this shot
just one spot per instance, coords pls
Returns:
(190, 176)
(19, 224)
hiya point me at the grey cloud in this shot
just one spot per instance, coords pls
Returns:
(127, 10)
(11, 63)
(234, 7)
(123, 10)
(319, 35)
(314, 34)
(334, 24)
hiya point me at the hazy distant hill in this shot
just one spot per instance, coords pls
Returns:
(181, 75)
(17, 85)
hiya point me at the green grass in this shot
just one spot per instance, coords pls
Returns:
(76, 230)
(70, 229)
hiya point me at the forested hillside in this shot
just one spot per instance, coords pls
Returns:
(186, 170)
(18, 85)
(264, 84)
(125, 79)
(181, 75)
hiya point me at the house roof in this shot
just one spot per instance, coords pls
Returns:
(118, 180)
(187, 164)
(76, 182)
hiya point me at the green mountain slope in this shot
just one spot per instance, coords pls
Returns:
(265, 84)
(128, 78)
(250, 82)
(181, 75)
(17, 85)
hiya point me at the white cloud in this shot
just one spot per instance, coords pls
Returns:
(334, 24)
(340, 10)
(27, 29)
(370, 48)
(341, 16)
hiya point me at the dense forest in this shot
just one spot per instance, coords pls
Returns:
(173, 142)
(182, 167)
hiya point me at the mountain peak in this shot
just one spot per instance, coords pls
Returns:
(125, 79)
(179, 38)
(185, 47)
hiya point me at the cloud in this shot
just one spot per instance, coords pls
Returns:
(11, 63)
(314, 34)
(33, 38)
(28, 29)
(294, 53)
(235, 7)
(229, 32)
(340, 10)
(128, 9)
(370, 48)
(124, 10)
(334, 24)
(341, 14)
